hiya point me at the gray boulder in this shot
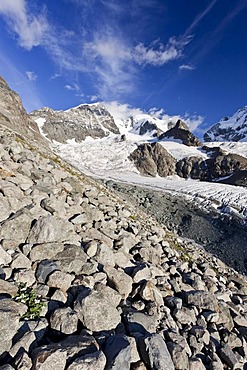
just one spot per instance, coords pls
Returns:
(50, 229)
(155, 353)
(96, 312)
(10, 314)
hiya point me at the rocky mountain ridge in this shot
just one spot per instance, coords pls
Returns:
(229, 128)
(87, 281)
(75, 123)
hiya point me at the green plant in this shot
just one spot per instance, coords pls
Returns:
(28, 296)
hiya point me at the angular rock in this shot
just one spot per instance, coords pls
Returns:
(155, 353)
(23, 361)
(64, 320)
(105, 255)
(45, 251)
(196, 364)
(202, 300)
(25, 344)
(60, 280)
(44, 269)
(10, 313)
(16, 229)
(45, 358)
(97, 313)
(179, 356)
(110, 294)
(228, 356)
(149, 292)
(71, 259)
(138, 322)
(92, 361)
(118, 352)
(8, 288)
(5, 257)
(21, 262)
(185, 315)
(50, 229)
(119, 280)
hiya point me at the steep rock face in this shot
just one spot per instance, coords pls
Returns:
(14, 116)
(149, 127)
(75, 123)
(181, 132)
(229, 128)
(153, 159)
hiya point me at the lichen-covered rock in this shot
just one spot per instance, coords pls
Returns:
(50, 229)
(96, 312)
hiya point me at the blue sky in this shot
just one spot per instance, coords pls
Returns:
(188, 57)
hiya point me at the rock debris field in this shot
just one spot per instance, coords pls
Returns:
(89, 282)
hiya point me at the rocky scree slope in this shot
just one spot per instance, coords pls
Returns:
(89, 282)
(229, 128)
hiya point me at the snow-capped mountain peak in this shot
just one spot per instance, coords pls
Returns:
(232, 128)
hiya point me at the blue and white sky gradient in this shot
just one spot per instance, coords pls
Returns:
(188, 57)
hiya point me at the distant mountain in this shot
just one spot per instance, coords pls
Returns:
(76, 123)
(123, 140)
(229, 128)
(97, 121)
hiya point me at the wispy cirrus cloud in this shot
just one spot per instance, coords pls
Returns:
(115, 61)
(186, 67)
(31, 76)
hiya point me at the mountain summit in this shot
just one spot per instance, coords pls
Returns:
(229, 128)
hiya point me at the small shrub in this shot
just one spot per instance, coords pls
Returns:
(34, 304)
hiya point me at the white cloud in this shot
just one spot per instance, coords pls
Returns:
(121, 111)
(18, 81)
(55, 76)
(31, 76)
(144, 55)
(115, 62)
(124, 111)
(93, 98)
(30, 29)
(187, 67)
(193, 121)
(73, 87)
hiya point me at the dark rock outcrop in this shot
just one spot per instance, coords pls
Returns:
(218, 167)
(152, 159)
(148, 127)
(181, 132)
